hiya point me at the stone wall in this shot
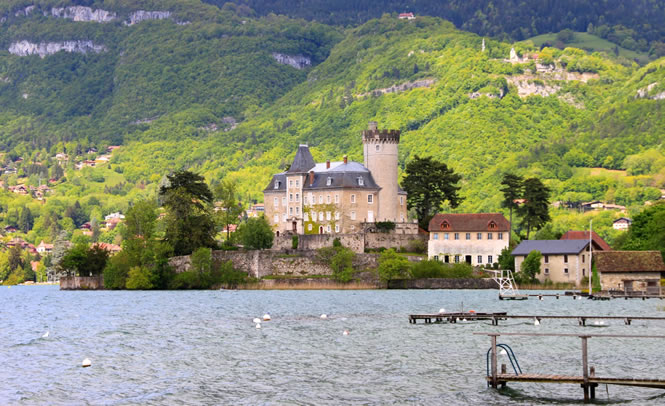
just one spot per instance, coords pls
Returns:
(82, 282)
(615, 280)
(356, 242)
(267, 262)
(443, 283)
(390, 240)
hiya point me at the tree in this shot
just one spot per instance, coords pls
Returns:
(15, 258)
(140, 220)
(535, 210)
(82, 260)
(139, 278)
(506, 260)
(256, 233)
(25, 220)
(230, 210)
(566, 36)
(429, 183)
(76, 213)
(189, 221)
(513, 190)
(647, 231)
(531, 266)
(393, 266)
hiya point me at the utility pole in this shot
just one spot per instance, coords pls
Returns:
(590, 255)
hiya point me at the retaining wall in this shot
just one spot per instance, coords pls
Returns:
(443, 283)
(82, 282)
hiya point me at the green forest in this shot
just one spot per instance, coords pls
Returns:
(202, 91)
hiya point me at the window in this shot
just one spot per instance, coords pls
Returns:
(457, 236)
(337, 228)
(275, 201)
(489, 259)
(297, 197)
(480, 259)
(336, 215)
(401, 200)
(353, 228)
(297, 209)
(353, 198)
(489, 236)
(290, 197)
(361, 181)
(582, 258)
(378, 147)
(284, 217)
(565, 271)
(277, 184)
(305, 216)
(276, 219)
(583, 271)
(436, 257)
(290, 183)
(291, 210)
(329, 181)
(370, 199)
(479, 236)
(547, 259)
(565, 259)
(547, 271)
(445, 236)
(320, 199)
(297, 183)
(500, 236)
(401, 218)
(309, 227)
(436, 236)
(336, 198)
(328, 199)
(328, 217)
(457, 259)
(468, 236)
(353, 215)
(328, 228)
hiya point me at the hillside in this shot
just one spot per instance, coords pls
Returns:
(590, 43)
(548, 113)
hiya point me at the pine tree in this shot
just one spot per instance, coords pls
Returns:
(513, 190)
(535, 210)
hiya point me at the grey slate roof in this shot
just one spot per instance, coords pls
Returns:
(303, 160)
(342, 176)
(551, 247)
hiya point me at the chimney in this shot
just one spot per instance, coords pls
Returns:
(311, 178)
(327, 163)
(373, 125)
(346, 159)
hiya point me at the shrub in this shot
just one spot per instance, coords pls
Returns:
(337, 243)
(385, 226)
(139, 277)
(226, 274)
(256, 234)
(530, 267)
(436, 269)
(184, 280)
(342, 264)
(116, 271)
(294, 242)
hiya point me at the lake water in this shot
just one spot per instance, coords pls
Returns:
(201, 347)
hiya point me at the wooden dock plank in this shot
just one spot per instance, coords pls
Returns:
(549, 378)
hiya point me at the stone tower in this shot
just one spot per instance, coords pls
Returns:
(380, 151)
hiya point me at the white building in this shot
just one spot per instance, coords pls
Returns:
(475, 238)
(622, 223)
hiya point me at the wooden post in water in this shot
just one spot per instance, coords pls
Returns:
(494, 379)
(585, 368)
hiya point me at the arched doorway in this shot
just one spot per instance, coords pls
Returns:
(320, 229)
(277, 233)
(294, 226)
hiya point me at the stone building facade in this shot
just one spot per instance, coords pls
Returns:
(562, 260)
(474, 238)
(630, 271)
(338, 197)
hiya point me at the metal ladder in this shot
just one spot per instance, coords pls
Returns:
(511, 357)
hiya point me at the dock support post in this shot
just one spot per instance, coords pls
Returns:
(592, 373)
(494, 378)
(585, 368)
(503, 371)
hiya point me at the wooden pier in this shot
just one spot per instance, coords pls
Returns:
(496, 317)
(588, 380)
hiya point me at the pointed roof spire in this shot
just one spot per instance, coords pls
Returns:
(303, 160)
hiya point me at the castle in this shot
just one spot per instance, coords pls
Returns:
(338, 197)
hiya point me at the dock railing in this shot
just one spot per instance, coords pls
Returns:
(588, 380)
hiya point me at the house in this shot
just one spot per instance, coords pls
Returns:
(10, 229)
(630, 271)
(103, 159)
(562, 260)
(111, 223)
(19, 189)
(116, 215)
(338, 197)
(112, 148)
(110, 248)
(60, 157)
(474, 238)
(406, 16)
(598, 244)
(44, 248)
(22, 244)
(622, 223)
(598, 205)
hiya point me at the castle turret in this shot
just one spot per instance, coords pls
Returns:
(380, 150)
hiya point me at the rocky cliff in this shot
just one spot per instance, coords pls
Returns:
(297, 61)
(80, 13)
(26, 48)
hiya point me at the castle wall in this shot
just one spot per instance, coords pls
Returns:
(380, 149)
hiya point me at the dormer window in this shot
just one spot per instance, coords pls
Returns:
(445, 225)
(329, 181)
(361, 181)
(277, 184)
(492, 225)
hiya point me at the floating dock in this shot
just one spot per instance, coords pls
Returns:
(588, 380)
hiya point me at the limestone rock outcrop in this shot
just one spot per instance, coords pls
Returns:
(297, 61)
(81, 13)
(25, 48)
(142, 15)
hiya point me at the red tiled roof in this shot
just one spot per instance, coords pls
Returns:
(468, 222)
(629, 261)
(584, 235)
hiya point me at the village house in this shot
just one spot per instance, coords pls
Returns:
(597, 243)
(622, 223)
(19, 189)
(338, 197)
(598, 205)
(112, 249)
(474, 238)
(44, 248)
(630, 271)
(256, 210)
(406, 16)
(24, 245)
(562, 260)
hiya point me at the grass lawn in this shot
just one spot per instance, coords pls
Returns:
(592, 43)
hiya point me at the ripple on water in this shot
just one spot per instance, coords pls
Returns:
(202, 348)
